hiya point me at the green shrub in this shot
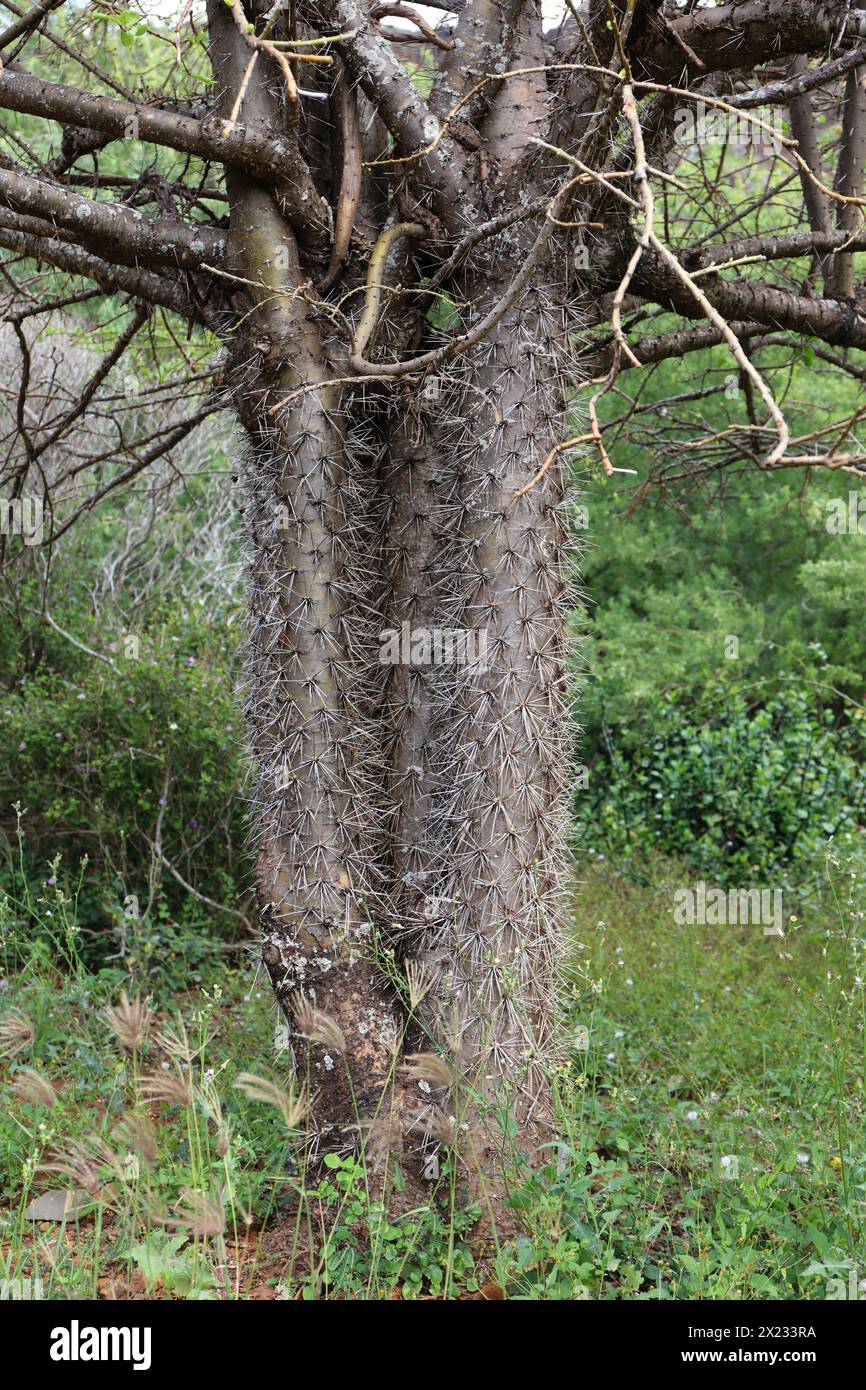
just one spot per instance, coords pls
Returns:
(136, 766)
(751, 791)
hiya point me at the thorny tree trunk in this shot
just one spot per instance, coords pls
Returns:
(412, 867)
(480, 750)
(432, 830)
(410, 814)
(310, 654)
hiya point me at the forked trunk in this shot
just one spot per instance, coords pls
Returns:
(406, 692)
(407, 707)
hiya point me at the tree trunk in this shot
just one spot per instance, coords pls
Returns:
(407, 672)
(410, 805)
(479, 757)
(311, 658)
(431, 832)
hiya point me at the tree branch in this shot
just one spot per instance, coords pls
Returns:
(849, 177)
(805, 132)
(739, 36)
(265, 156)
(775, 248)
(113, 231)
(757, 302)
(418, 134)
(659, 347)
(113, 279)
(28, 21)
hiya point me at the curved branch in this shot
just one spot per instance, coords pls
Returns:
(373, 297)
(740, 36)
(395, 9)
(436, 356)
(417, 132)
(350, 181)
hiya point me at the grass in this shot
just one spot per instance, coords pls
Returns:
(711, 1044)
(711, 1119)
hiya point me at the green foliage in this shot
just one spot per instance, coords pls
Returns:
(136, 766)
(710, 1127)
(723, 649)
(366, 1254)
(750, 792)
(667, 590)
(215, 1153)
(174, 1264)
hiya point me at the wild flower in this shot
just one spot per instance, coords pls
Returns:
(420, 979)
(440, 1126)
(429, 1067)
(137, 1133)
(172, 1087)
(32, 1086)
(210, 1102)
(174, 1041)
(197, 1212)
(83, 1163)
(292, 1108)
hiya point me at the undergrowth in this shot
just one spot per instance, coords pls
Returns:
(709, 1138)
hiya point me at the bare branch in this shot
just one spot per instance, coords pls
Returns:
(266, 156)
(111, 230)
(113, 279)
